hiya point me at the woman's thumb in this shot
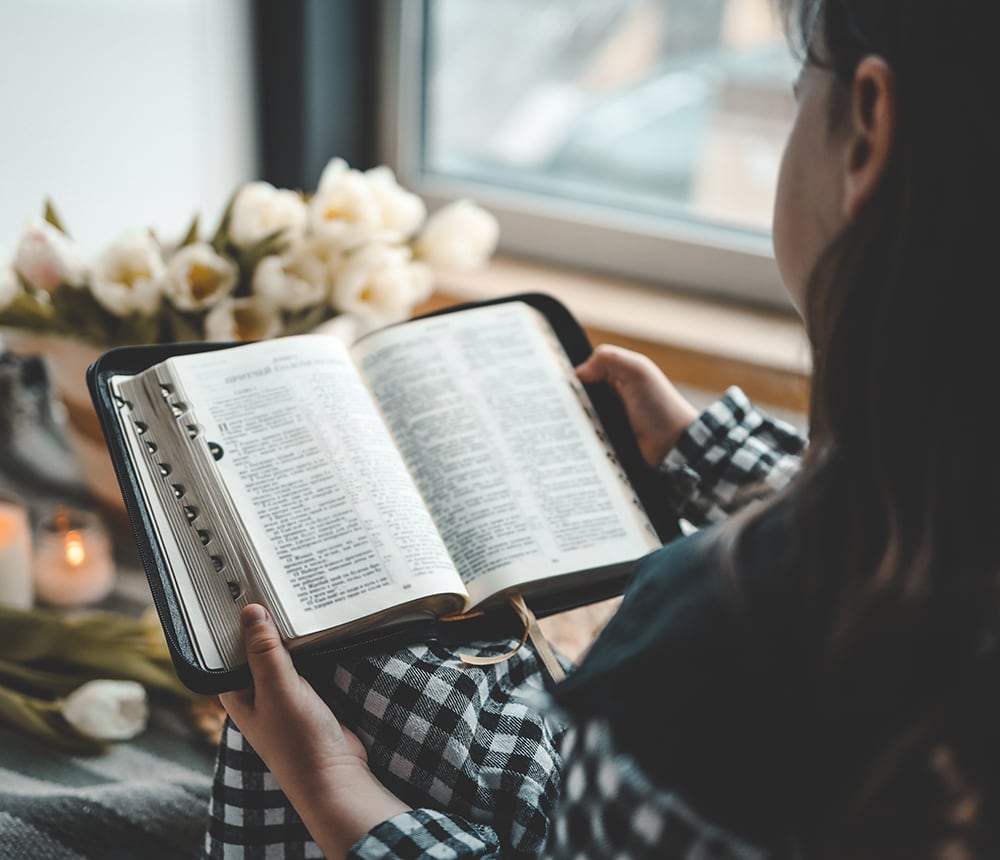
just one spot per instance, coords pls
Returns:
(269, 660)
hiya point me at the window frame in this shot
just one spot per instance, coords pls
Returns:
(686, 255)
(316, 73)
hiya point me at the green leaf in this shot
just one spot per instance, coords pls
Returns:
(180, 326)
(192, 234)
(27, 311)
(77, 314)
(52, 216)
(136, 329)
(36, 682)
(306, 320)
(272, 243)
(100, 645)
(247, 260)
(44, 720)
(220, 240)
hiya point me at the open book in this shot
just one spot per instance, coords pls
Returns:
(428, 471)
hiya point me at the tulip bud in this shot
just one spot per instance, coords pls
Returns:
(107, 710)
(9, 285)
(47, 258)
(460, 235)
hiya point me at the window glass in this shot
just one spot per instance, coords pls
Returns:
(674, 108)
(635, 138)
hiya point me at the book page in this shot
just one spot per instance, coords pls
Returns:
(502, 442)
(339, 526)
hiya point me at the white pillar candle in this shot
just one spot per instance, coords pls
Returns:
(73, 559)
(15, 553)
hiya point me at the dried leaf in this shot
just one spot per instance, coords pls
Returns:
(208, 717)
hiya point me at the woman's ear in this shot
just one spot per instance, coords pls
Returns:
(874, 117)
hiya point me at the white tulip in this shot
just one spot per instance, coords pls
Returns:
(327, 252)
(460, 235)
(380, 283)
(198, 277)
(107, 710)
(346, 327)
(345, 209)
(259, 209)
(46, 257)
(245, 319)
(10, 286)
(128, 277)
(293, 281)
(421, 281)
(402, 211)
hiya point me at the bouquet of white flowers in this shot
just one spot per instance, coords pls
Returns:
(358, 252)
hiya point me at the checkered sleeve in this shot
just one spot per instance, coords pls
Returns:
(424, 834)
(731, 454)
(609, 808)
(464, 745)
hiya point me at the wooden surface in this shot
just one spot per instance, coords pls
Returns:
(571, 633)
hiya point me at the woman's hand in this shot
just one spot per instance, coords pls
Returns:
(657, 411)
(321, 766)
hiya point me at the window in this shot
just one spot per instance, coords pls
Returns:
(637, 137)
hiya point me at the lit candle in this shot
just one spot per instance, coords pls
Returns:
(73, 559)
(15, 553)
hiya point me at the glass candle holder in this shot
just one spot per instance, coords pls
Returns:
(16, 588)
(74, 563)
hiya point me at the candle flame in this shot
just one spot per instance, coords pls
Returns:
(75, 553)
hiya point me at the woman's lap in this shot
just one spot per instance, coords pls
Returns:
(465, 739)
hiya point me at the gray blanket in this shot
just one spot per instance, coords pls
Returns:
(143, 800)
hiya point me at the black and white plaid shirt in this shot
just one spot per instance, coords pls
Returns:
(490, 767)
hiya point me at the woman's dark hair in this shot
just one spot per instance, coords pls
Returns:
(896, 515)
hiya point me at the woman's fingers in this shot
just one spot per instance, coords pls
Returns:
(608, 363)
(658, 413)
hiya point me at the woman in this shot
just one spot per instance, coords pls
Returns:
(828, 656)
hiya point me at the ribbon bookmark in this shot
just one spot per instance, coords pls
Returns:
(532, 630)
